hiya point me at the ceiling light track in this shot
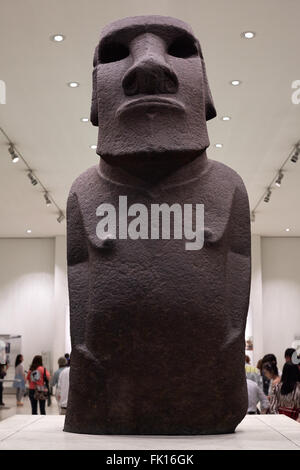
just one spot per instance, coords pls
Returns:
(16, 156)
(277, 179)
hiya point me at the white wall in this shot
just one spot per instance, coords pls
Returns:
(26, 292)
(281, 293)
(33, 294)
(61, 343)
(255, 315)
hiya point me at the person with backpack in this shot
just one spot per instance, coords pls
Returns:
(38, 378)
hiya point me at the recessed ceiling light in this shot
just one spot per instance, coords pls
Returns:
(73, 84)
(93, 147)
(57, 37)
(287, 229)
(219, 146)
(248, 35)
(226, 118)
(28, 231)
(84, 119)
(235, 82)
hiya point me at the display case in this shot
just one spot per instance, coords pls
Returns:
(10, 347)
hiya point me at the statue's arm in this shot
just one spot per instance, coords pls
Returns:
(77, 256)
(240, 239)
(239, 263)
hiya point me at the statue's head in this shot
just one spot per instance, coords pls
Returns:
(150, 90)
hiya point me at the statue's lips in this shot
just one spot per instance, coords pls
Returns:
(150, 101)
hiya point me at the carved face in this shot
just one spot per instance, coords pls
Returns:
(150, 91)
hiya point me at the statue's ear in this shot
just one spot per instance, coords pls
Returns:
(210, 109)
(94, 106)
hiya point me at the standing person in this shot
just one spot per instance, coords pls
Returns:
(271, 372)
(265, 381)
(270, 359)
(288, 354)
(36, 379)
(255, 396)
(63, 390)
(67, 357)
(252, 373)
(3, 368)
(62, 364)
(20, 378)
(286, 395)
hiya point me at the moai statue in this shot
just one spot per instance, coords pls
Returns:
(157, 323)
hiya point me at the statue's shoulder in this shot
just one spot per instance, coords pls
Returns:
(227, 207)
(87, 180)
(225, 176)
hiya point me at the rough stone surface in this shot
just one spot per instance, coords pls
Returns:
(157, 330)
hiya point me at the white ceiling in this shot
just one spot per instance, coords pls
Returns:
(42, 115)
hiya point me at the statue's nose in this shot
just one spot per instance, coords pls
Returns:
(150, 72)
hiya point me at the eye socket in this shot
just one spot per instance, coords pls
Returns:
(113, 52)
(183, 47)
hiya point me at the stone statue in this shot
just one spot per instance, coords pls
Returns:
(157, 328)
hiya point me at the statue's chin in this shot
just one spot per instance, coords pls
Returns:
(145, 134)
(152, 166)
(154, 155)
(151, 153)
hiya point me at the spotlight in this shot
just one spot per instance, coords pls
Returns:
(60, 217)
(14, 156)
(235, 82)
(279, 178)
(47, 199)
(295, 156)
(248, 34)
(268, 195)
(219, 146)
(84, 119)
(32, 178)
(73, 84)
(57, 37)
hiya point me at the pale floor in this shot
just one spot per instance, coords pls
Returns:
(276, 432)
(12, 409)
(20, 430)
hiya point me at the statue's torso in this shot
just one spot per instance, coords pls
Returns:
(162, 322)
